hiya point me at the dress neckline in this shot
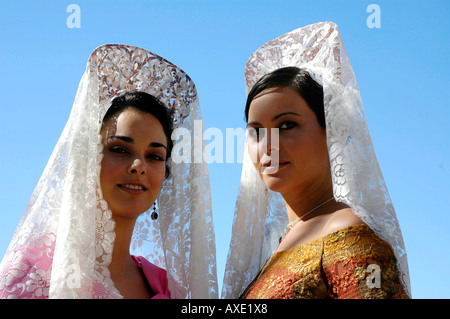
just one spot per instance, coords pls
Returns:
(322, 238)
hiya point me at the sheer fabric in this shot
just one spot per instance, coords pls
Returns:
(63, 244)
(260, 215)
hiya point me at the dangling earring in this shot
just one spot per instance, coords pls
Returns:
(154, 213)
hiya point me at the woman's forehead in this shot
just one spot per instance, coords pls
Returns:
(271, 102)
(134, 123)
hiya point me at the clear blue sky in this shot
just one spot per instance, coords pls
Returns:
(402, 69)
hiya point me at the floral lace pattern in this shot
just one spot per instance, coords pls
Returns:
(122, 68)
(260, 216)
(26, 273)
(68, 203)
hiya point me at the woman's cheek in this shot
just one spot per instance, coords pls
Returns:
(253, 152)
(157, 174)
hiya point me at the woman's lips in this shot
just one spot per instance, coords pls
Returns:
(132, 187)
(271, 168)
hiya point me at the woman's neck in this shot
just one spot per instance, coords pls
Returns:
(298, 203)
(121, 262)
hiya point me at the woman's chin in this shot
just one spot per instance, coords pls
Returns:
(275, 183)
(129, 211)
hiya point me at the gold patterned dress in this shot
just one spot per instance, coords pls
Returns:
(349, 263)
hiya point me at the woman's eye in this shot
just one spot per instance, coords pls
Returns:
(118, 150)
(252, 132)
(287, 125)
(156, 157)
(256, 132)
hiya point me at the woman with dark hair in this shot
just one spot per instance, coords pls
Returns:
(299, 80)
(289, 100)
(145, 103)
(313, 216)
(91, 229)
(136, 137)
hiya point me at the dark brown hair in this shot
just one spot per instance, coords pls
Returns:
(296, 78)
(146, 103)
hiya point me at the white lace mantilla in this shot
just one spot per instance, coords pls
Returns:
(64, 241)
(260, 215)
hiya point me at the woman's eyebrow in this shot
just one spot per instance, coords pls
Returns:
(128, 139)
(123, 138)
(155, 144)
(274, 118)
(283, 114)
(253, 123)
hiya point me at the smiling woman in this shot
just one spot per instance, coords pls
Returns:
(133, 169)
(135, 153)
(146, 103)
(87, 231)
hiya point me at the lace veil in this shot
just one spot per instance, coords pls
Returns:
(260, 214)
(63, 244)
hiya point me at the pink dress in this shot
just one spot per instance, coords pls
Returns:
(25, 273)
(156, 277)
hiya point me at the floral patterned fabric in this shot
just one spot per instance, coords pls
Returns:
(26, 273)
(28, 276)
(349, 263)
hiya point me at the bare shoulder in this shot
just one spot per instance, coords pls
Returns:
(341, 219)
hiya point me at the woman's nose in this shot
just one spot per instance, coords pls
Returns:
(270, 143)
(137, 166)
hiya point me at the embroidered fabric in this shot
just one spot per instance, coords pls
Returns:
(63, 244)
(260, 215)
(349, 263)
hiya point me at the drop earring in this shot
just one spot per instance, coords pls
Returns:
(154, 213)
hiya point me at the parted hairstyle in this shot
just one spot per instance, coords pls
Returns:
(146, 103)
(296, 78)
